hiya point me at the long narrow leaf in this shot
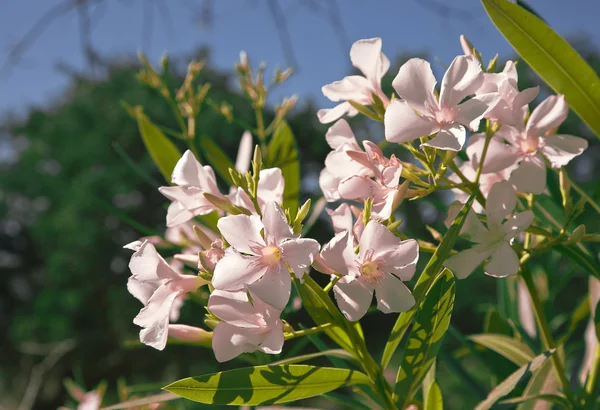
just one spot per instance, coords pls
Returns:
(258, 385)
(511, 381)
(512, 349)
(425, 280)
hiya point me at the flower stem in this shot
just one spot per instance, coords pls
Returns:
(585, 196)
(299, 333)
(546, 335)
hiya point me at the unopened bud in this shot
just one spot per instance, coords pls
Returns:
(466, 45)
(226, 111)
(191, 334)
(492, 64)
(211, 323)
(225, 205)
(565, 191)
(576, 235)
(209, 258)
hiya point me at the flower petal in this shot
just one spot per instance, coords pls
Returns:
(147, 265)
(241, 231)
(472, 229)
(403, 124)
(402, 261)
(329, 185)
(463, 78)
(339, 134)
(353, 297)
(275, 287)
(378, 239)
(561, 149)
(464, 263)
(529, 176)
(517, 224)
(499, 156)
(270, 185)
(352, 87)
(338, 254)
(366, 55)
(501, 201)
(299, 254)
(341, 218)
(548, 115)
(327, 115)
(451, 138)
(357, 188)
(234, 308)
(235, 270)
(272, 342)
(276, 225)
(470, 112)
(415, 83)
(503, 262)
(229, 342)
(392, 295)
(188, 171)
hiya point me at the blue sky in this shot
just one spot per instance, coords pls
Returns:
(405, 25)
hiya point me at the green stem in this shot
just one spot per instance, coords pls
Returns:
(546, 335)
(331, 284)
(311, 330)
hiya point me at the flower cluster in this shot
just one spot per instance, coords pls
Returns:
(254, 252)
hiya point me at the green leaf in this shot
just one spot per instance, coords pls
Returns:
(511, 381)
(258, 385)
(425, 280)
(496, 323)
(162, 150)
(552, 58)
(341, 353)
(426, 337)
(217, 158)
(512, 349)
(543, 381)
(434, 401)
(322, 310)
(282, 152)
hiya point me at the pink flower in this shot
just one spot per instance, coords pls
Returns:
(192, 180)
(212, 256)
(157, 286)
(512, 102)
(383, 262)
(338, 164)
(270, 189)
(420, 113)
(246, 325)
(530, 144)
(494, 241)
(91, 400)
(365, 55)
(189, 333)
(383, 188)
(261, 262)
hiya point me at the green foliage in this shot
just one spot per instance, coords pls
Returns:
(551, 57)
(265, 384)
(434, 400)
(426, 337)
(511, 381)
(163, 152)
(282, 152)
(514, 350)
(217, 158)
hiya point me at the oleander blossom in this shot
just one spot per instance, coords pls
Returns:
(246, 325)
(366, 55)
(511, 103)
(493, 242)
(270, 189)
(261, 262)
(529, 144)
(158, 286)
(383, 263)
(191, 181)
(420, 113)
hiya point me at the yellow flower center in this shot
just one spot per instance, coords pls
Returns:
(371, 272)
(271, 254)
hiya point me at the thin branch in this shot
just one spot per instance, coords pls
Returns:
(39, 370)
(283, 32)
(35, 32)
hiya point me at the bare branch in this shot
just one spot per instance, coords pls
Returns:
(34, 33)
(283, 32)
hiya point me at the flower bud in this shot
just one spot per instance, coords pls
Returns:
(576, 235)
(191, 334)
(210, 257)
